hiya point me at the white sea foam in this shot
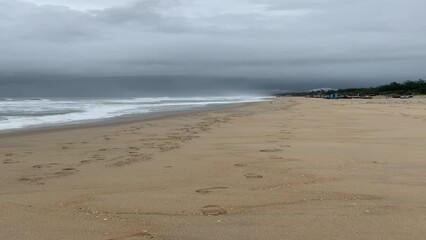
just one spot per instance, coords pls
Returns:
(23, 113)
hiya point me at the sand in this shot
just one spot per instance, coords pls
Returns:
(292, 168)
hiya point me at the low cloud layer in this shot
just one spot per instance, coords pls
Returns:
(291, 41)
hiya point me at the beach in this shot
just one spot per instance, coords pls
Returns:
(289, 168)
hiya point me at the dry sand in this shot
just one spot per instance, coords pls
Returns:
(293, 168)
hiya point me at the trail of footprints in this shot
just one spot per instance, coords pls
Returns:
(216, 210)
(119, 156)
(134, 154)
(37, 179)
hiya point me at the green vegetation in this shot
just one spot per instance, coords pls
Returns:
(391, 89)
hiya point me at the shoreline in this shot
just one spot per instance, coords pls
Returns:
(348, 169)
(124, 119)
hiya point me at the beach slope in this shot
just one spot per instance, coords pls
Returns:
(291, 168)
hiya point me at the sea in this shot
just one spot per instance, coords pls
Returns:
(22, 113)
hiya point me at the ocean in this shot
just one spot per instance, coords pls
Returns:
(40, 112)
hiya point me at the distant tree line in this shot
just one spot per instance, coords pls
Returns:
(406, 88)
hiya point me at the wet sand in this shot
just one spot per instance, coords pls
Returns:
(293, 168)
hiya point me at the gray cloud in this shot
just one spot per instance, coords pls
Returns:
(283, 41)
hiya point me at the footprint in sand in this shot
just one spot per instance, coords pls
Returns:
(285, 131)
(285, 146)
(69, 169)
(47, 165)
(63, 173)
(128, 161)
(28, 179)
(271, 150)
(212, 210)
(209, 190)
(86, 161)
(98, 157)
(10, 161)
(253, 176)
(141, 235)
(240, 165)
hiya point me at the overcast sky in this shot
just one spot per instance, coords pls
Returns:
(281, 43)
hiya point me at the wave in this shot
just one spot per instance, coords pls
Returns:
(24, 113)
(39, 113)
(38, 99)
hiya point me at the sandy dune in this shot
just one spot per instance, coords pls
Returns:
(293, 168)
